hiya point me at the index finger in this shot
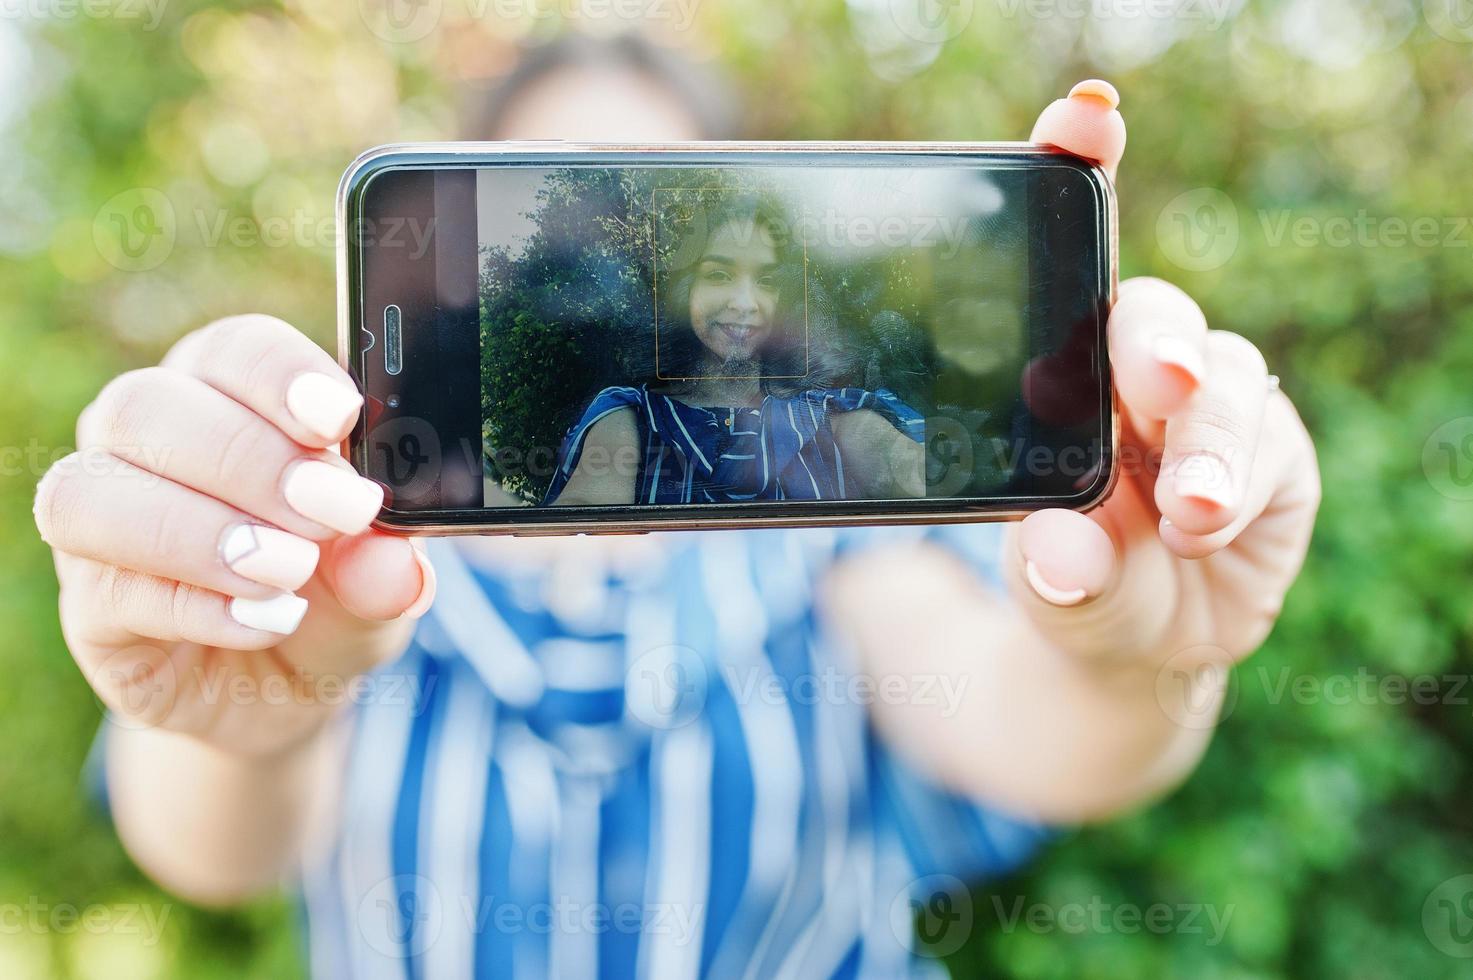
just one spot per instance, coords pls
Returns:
(276, 371)
(1087, 124)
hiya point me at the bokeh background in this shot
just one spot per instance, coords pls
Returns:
(1302, 168)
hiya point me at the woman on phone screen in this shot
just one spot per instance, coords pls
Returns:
(743, 405)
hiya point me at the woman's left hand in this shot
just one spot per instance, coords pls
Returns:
(1097, 686)
(1188, 561)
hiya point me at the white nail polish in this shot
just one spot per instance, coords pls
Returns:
(269, 556)
(331, 495)
(279, 614)
(322, 404)
(426, 597)
(1057, 596)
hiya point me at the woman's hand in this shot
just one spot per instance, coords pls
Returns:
(1098, 686)
(217, 575)
(1188, 561)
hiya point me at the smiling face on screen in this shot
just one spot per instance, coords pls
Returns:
(733, 296)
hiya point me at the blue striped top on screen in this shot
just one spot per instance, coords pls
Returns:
(782, 450)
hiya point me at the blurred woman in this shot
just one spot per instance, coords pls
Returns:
(714, 754)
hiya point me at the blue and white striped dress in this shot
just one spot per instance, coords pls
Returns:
(783, 450)
(654, 771)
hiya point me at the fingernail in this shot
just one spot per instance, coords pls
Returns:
(1175, 352)
(279, 614)
(322, 404)
(1052, 593)
(332, 496)
(426, 597)
(1097, 88)
(1205, 477)
(269, 556)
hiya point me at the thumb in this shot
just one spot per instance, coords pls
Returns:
(363, 601)
(1086, 123)
(378, 576)
(1090, 582)
(1067, 557)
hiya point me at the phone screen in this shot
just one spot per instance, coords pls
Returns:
(734, 334)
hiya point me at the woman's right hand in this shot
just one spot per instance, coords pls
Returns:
(218, 577)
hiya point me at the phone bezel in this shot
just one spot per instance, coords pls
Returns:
(621, 520)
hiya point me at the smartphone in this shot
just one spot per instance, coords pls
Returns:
(604, 338)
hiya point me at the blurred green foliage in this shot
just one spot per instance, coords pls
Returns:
(1323, 823)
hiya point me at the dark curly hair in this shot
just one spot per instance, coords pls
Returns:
(807, 350)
